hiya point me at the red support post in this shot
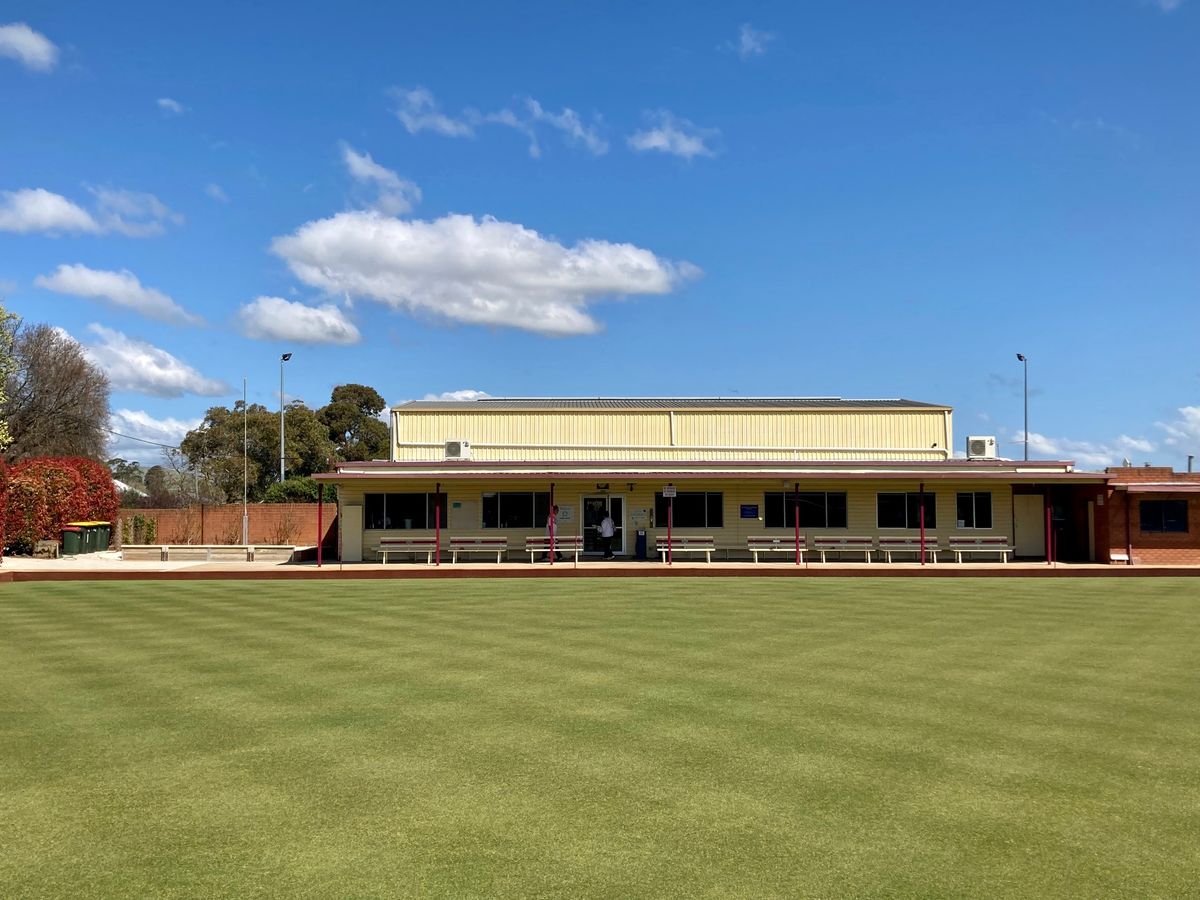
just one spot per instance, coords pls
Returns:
(437, 523)
(320, 531)
(796, 515)
(553, 524)
(670, 517)
(921, 516)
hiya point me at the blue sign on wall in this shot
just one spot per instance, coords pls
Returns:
(749, 510)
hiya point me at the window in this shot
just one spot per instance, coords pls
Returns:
(694, 509)
(516, 509)
(974, 510)
(818, 509)
(1164, 515)
(402, 511)
(904, 510)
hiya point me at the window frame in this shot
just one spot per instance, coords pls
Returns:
(974, 520)
(912, 506)
(426, 524)
(785, 509)
(1161, 504)
(507, 513)
(714, 501)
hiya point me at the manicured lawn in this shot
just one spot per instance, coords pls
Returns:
(619, 738)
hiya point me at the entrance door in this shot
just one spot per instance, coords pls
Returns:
(1029, 512)
(593, 514)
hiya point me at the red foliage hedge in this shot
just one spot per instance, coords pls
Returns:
(46, 493)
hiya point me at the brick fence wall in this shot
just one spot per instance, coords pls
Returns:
(270, 523)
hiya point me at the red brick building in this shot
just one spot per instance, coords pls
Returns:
(1149, 516)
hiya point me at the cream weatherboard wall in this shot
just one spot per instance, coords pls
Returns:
(901, 433)
(465, 504)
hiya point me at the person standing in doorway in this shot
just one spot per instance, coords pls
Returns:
(608, 528)
(551, 532)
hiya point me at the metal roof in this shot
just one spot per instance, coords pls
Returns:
(508, 404)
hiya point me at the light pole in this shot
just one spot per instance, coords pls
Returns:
(1025, 363)
(245, 469)
(282, 404)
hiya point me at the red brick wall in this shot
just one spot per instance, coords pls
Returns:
(1149, 548)
(270, 523)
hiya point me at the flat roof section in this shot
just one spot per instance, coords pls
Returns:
(513, 404)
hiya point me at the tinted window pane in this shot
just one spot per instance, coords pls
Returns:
(1164, 515)
(491, 510)
(773, 504)
(892, 513)
(966, 511)
(516, 510)
(983, 510)
(689, 510)
(835, 505)
(374, 515)
(406, 511)
(812, 511)
(716, 511)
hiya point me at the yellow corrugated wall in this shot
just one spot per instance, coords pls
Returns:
(698, 434)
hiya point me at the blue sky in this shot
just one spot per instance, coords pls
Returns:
(869, 199)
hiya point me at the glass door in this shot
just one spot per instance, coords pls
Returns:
(594, 508)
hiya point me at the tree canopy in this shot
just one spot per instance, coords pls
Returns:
(352, 417)
(56, 400)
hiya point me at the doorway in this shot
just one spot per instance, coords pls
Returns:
(594, 507)
(1029, 522)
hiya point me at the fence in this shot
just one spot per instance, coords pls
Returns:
(270, 523)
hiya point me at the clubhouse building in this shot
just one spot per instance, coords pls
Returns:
(858, 479)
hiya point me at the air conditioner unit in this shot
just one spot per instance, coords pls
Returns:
(981, 447)
(458, 449)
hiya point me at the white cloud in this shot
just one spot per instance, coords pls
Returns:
(36, 209)
(1168, 5)
(216, 192)
(464, 394)
(396, 195)
(124, 212)
(276, 319)
(567, 121)
(419, 111)
(136, 423)
(121, 289)
(668, 133)
(133, 365)
(170, 107)
(1183, 432)
(482, 272)
(750, 42)
(132, 213)
(33, 50)
(1086, 454)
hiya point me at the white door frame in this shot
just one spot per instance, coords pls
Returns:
(608, 498)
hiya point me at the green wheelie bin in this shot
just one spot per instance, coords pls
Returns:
(72, 540)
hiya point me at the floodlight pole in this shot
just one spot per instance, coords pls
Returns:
(1025, 363)
(284, 358)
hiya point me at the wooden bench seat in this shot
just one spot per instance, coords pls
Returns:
(689, 544)
(479, 544)
(207, 552)
(890, 545)
(769, 544)
(571, 544)
(413, 545)
(958, 545)
(827, 543)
